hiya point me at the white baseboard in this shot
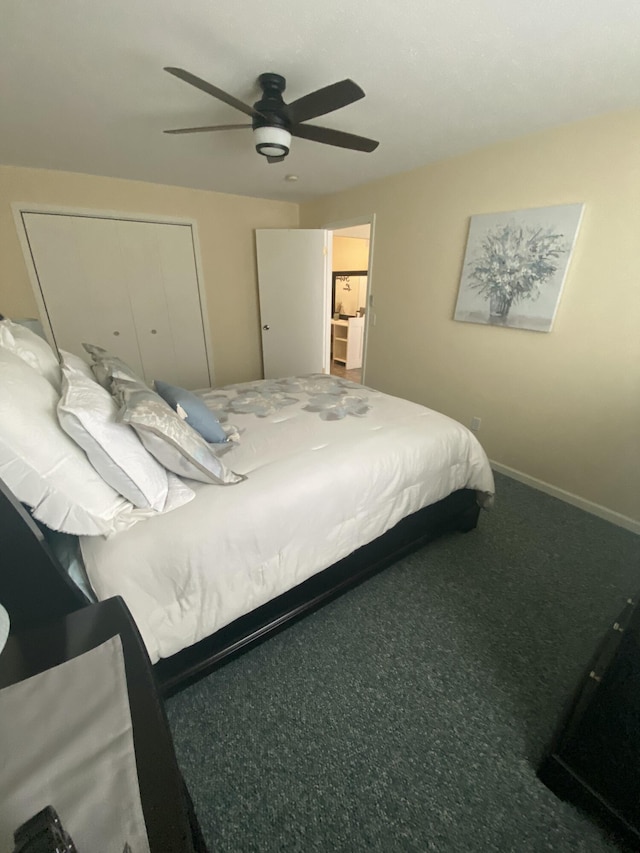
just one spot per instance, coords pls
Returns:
(568, 497)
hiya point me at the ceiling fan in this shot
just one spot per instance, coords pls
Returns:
(274, 122)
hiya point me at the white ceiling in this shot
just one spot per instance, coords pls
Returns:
(82, 85)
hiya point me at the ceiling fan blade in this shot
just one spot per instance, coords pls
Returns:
(278, 159)
(210, 89)
(324, 101)
(207, 129)
(328, 136)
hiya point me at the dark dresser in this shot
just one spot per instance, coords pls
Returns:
(594, 760)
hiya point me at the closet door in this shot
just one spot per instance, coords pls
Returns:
(82, 283)
(128, 286)
(159, 269)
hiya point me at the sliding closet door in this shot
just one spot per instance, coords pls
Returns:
(128, 286)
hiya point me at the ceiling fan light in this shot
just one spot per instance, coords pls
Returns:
(272, 141)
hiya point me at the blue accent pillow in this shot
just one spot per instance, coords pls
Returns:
(199, 416)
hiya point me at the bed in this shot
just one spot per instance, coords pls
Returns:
(336, 481)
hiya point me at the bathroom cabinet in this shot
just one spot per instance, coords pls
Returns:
(347, 339)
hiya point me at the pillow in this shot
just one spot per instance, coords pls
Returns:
(77, 363)
(32, 349)
(106, 366)
(198, 415)
(87, 413)
(42, 466)
(167, 437)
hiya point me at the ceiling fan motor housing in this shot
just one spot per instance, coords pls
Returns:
(270, 122)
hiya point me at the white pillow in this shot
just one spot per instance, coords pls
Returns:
(47, 471)
(87, 413)
(31, 348)
(74, 361)
(41, 465)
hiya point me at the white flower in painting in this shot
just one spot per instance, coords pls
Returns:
(513, 263)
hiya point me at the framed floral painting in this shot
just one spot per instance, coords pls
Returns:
(515, 266)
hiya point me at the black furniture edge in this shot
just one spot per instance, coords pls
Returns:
(34, 588)
(171, 822)
(556, 771)
(557, 775)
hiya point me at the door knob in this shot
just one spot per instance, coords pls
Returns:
(116, 334)
(154, 332)
(266, 327)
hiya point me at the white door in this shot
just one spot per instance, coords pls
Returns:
(294, 301)
(128, 286)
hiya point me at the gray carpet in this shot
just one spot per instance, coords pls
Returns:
(410, 714)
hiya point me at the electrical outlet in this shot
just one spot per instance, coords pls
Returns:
(475, 424)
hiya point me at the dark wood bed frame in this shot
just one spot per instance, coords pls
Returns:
(34, 588)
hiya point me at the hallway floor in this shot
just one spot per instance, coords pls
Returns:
(354, 375)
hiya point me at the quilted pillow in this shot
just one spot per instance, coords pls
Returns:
(197, 415)
(32, 349)
(87, 413)
(167, 437)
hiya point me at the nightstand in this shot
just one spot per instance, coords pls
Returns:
(170, 820)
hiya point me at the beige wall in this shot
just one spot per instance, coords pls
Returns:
(225, 229)
(350, 253)
(562, 407)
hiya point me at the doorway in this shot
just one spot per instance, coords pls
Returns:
(297, 305)
(349, 299)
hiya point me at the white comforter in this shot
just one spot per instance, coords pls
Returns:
(330, 466)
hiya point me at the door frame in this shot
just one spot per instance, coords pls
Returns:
(369, 316)
(20, 208)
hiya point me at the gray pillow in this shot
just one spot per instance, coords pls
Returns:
(170, 440)
(106, 366)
